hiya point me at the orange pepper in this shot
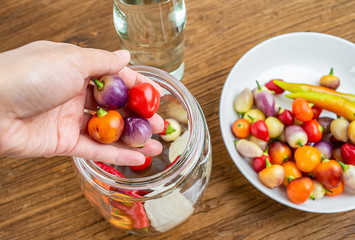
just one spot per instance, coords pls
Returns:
(291, 172)
(335, 191)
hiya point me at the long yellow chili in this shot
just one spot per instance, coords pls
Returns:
(300, 87)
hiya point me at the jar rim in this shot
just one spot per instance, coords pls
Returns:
(188, 158)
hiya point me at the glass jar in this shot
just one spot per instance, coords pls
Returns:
(163, 196)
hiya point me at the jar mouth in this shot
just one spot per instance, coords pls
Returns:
(187, 159)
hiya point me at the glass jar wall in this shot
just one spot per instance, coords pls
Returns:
(164, 195)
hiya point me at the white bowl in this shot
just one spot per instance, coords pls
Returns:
(295, 57)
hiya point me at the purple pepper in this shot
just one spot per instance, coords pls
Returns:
(295, 136)
(136, 132)
(325, 148)
(110, 92)
(265, 102)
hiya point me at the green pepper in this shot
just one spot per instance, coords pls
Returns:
(300, 87)
(338, 105)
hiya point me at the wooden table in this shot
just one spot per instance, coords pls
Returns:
(40, 198)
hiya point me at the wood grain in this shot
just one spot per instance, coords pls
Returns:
(40, 197)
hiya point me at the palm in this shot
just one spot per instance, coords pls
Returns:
(50, 133)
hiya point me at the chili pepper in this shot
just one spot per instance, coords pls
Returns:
(261, 143)
(248, 149)
(134, 210)
(313, 130)
(329, 173)
(286, 117)
(273, 87)
(172, 131)
(173, 162)
(143, 99)
(339, 129)
(265, 101)
(300, 189)
(144, 166)
(291, 172)
(274, 127)
(241, 128)
(335, 191)
(338, 105)
(273, 175)
(106, 126)
(348, 153)
(109, 169)
(330, 81)
(259, 163)
(302, 110)
(259, 129)
(121, 220)
(351, 132)
(307, 158)
(279, 152)
(244, 101)
(259, 89)
(255, 113)
(299, 87)
(318, 190)
(348, 175)
(316, 112)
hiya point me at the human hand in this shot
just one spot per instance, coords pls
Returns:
(44, 89)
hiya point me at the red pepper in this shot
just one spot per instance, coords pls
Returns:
(134, 210)
(109, 169)
(259, 129)
(172, 163)
(145, 165)
(316, 112)
(286, 117)
(348, 153)
(167, 128)
(143, 99)
(313, 130)
(273, 87)
(259, 163)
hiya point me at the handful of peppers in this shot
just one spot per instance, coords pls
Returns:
(341, 104)
(311, 155)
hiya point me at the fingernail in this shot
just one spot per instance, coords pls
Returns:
(122, 53)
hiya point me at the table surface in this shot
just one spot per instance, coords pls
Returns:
(40, 197)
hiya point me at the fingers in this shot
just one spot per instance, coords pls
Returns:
(97, 62)
(151, 148)
(90, 102)
(157, 123)
(92, 150)
(132, 78)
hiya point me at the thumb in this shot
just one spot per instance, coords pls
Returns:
(98, 62)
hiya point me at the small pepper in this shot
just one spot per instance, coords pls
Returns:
(338, 105)
(248, 149)
(348, 153)
(273, 175)
(330, 81)
(109, 169)
(135, 212)
(300, 87)
(259, 163)
(259, 129)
